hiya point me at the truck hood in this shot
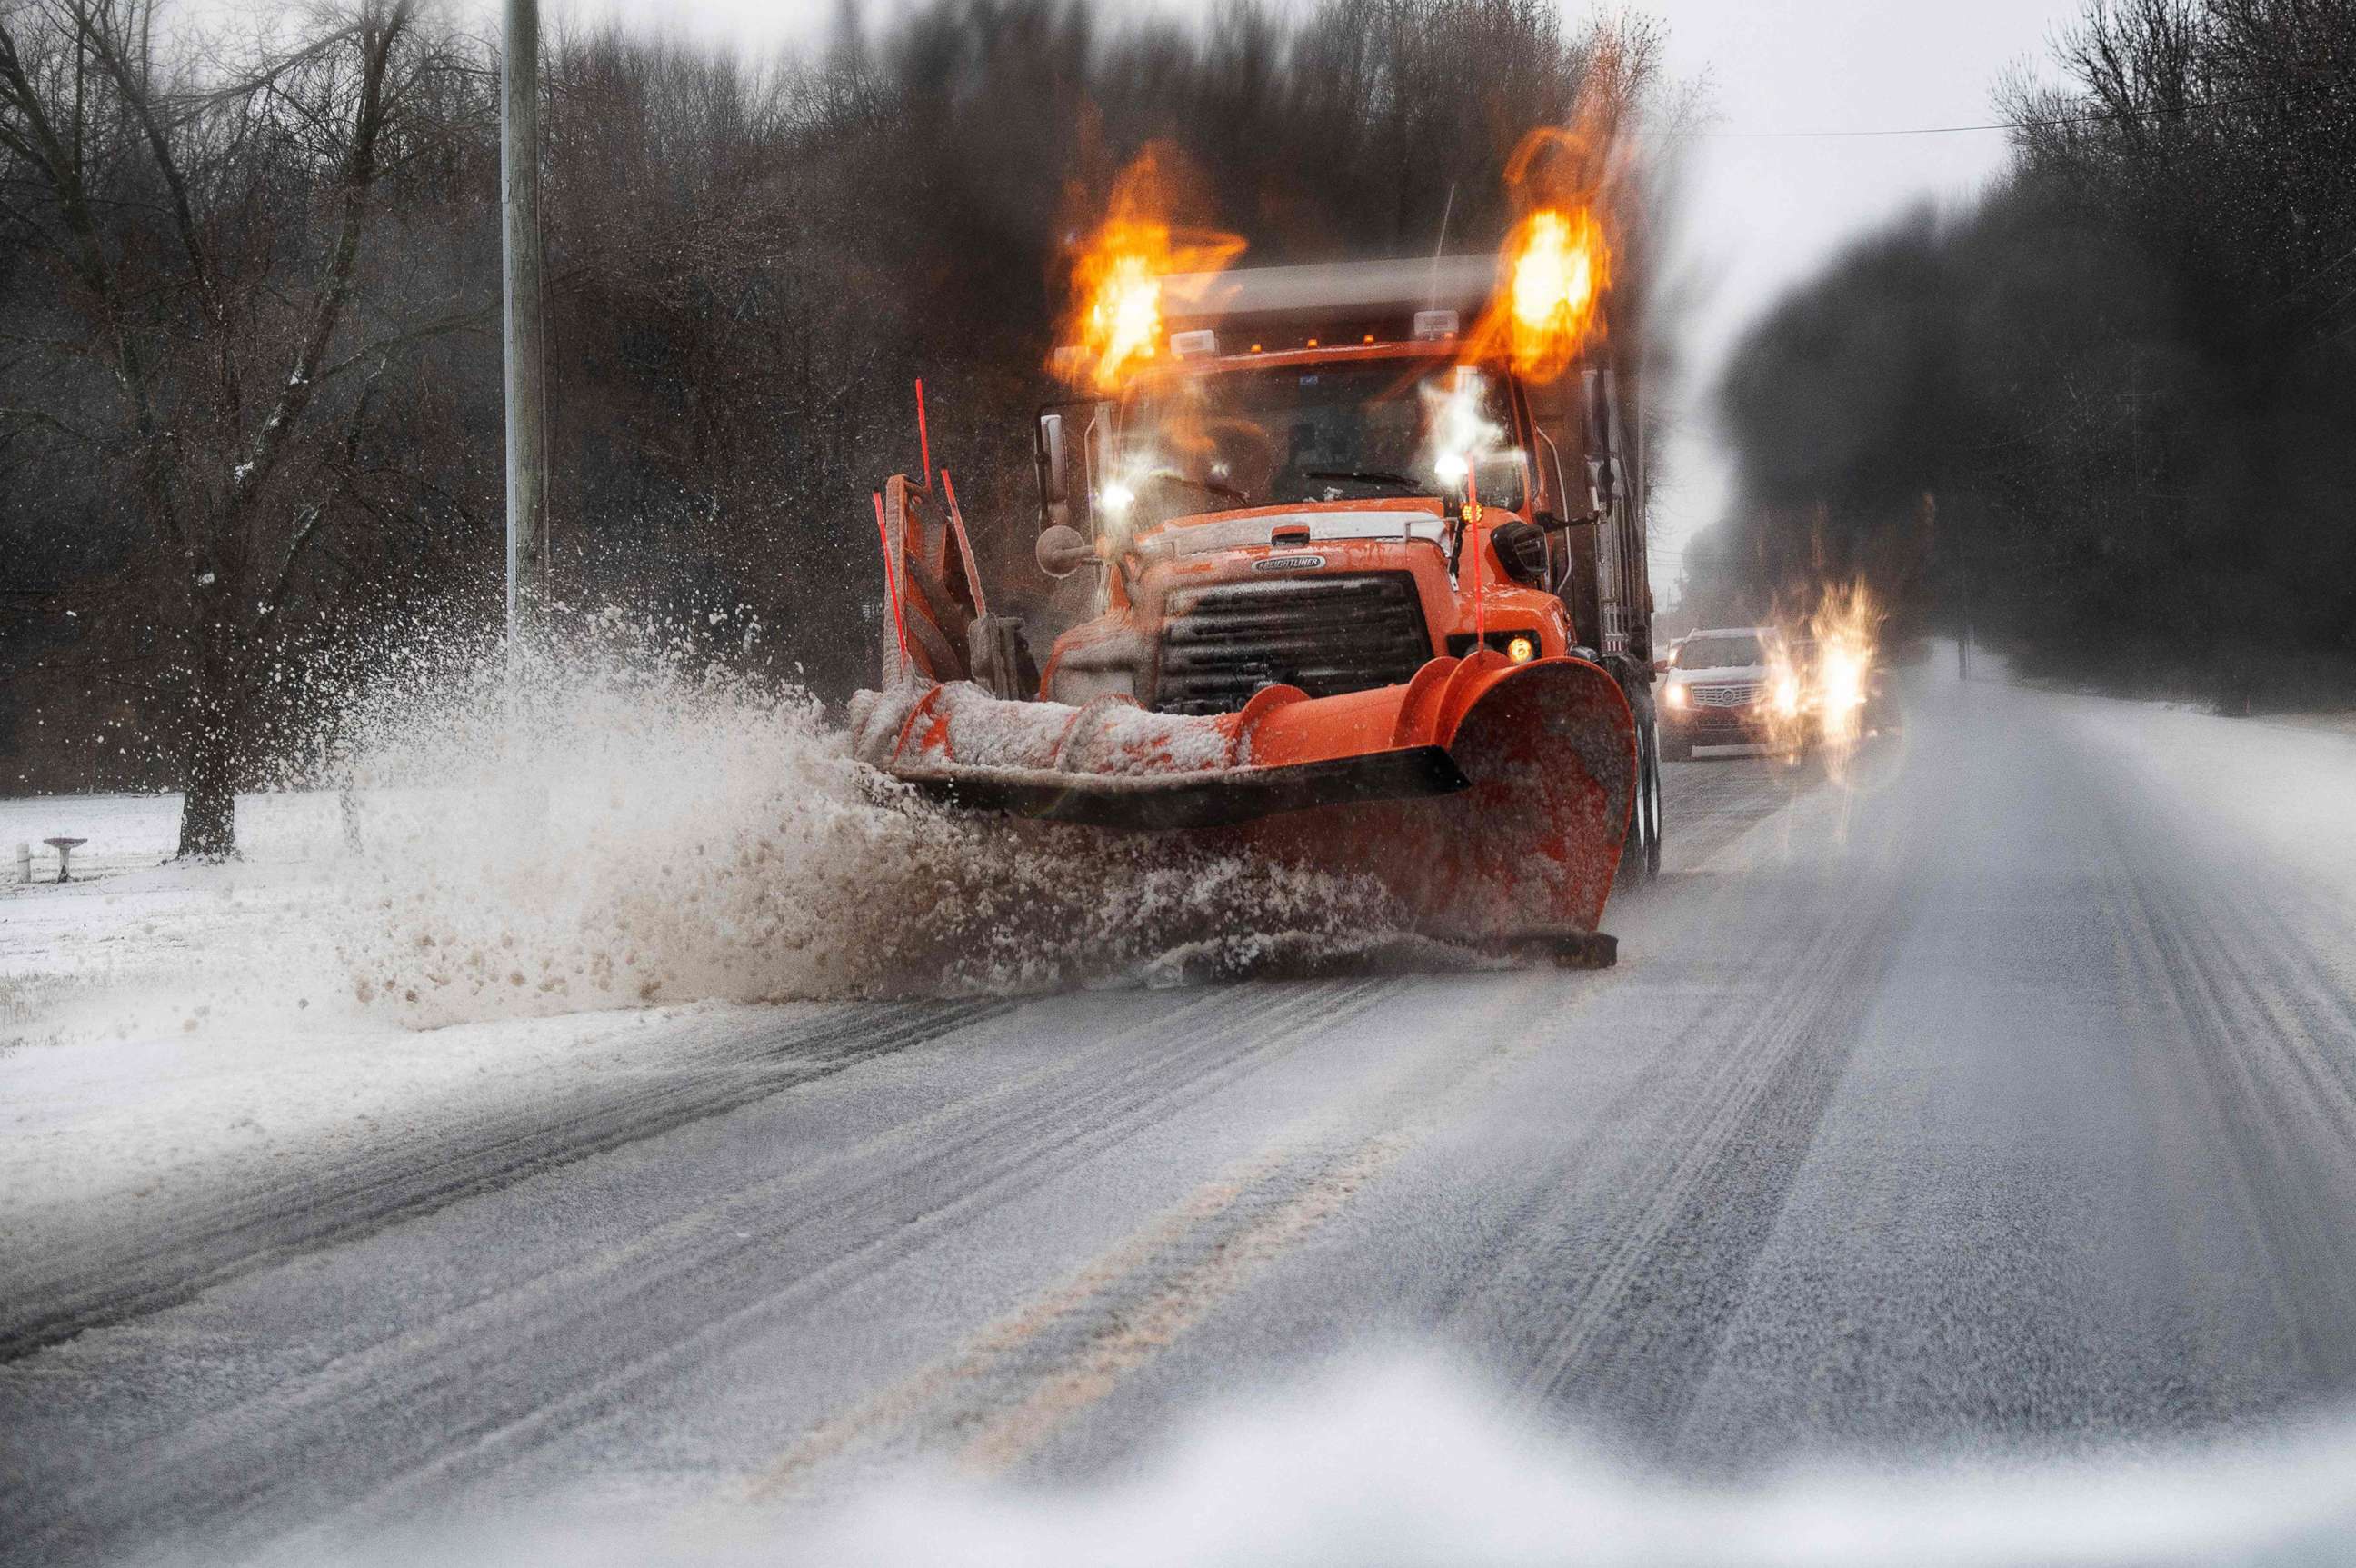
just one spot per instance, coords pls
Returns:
(1421, 521)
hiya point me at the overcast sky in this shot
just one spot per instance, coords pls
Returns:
(1762, 211)
(1764, 208)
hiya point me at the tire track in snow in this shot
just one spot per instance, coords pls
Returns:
(518, 1366)
(1640, 1296)
(1709, 804)
(1651, 1316)
(2252, 1054)
(1004, 1392)
(396, 1184)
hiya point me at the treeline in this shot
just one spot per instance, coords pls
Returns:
(2106, 418)
(248, 317)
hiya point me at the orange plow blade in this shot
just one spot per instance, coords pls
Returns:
(1489, 798)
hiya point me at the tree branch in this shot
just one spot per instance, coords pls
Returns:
(377, 40)
(313, 519)
(114, 57)
(62, 174)
(464, 321)
(41, 416)
(192, 105)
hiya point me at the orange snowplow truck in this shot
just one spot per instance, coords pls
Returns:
(1361, 599)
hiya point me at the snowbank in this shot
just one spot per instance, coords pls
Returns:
(1400, 1461)
(1403, 1462)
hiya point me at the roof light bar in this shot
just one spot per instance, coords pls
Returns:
(1431, 326)
(1193, 345)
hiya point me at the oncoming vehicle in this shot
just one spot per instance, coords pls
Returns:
(1733, 686)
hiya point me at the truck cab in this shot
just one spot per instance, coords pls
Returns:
(1322, 484)
(1289, 519)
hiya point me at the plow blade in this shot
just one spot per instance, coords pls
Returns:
(1221, 797)
(1489, 798)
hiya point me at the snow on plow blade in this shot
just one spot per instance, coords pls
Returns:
(1216, 798)
(1489, 798)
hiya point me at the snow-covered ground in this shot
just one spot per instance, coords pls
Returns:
(134, 937)
(165, 1026)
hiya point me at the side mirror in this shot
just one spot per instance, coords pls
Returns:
(1502, 481)
(1054, 482)
(1521, 548)
(1062, 551)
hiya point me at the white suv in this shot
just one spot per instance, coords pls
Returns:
(1719, 689)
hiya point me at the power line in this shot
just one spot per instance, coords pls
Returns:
(2090, 117)
(1843, 135)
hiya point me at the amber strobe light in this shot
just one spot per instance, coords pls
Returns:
(1560, 267)
(1114, 319)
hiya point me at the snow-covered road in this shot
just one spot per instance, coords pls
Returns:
(1993, 1107)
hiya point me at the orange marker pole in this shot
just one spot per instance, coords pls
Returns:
(965, 545)
(1472, 524)
(924, 443)
(892, 580)
(1472, 537)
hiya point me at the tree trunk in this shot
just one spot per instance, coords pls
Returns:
(209, 808)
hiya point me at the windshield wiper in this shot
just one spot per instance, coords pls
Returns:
(1365, 476)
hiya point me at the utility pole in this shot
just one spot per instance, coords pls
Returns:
(519, 278)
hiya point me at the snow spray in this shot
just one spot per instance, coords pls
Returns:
(634, 830)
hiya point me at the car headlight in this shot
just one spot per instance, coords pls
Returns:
(1673, 696)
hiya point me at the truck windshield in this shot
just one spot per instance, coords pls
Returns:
(1718, 653)
(1270, 437)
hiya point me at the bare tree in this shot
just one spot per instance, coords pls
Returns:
(2128, 375)
(206, 232)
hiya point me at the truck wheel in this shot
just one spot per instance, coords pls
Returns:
(1652, 787)
(1640, 853)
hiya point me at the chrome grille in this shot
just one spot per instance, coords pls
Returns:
(1326, 634)
(1725, 696)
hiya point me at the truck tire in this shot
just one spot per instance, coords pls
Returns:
(1640, 852)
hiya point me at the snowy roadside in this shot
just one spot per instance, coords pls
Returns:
(168, 1029)
(2343, 722)
(2285, 789)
